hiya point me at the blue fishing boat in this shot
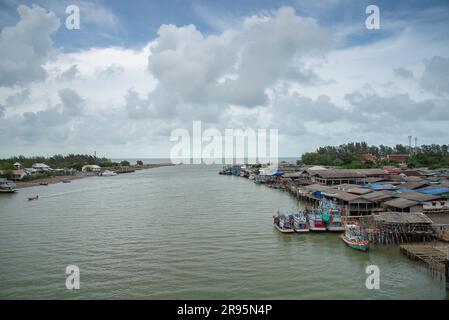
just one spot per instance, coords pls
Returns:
(283, 222)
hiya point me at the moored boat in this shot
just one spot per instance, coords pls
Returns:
(108, 173)
(7, 186)
(355, 238)
(316, 222)
(335, 223)
(33, 198)
(300, 222)
(284, 223)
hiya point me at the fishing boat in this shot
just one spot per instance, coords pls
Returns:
(300, 222)
(7, 186)
(316, 222)
(43, 183)
(355, 238)
(335, 223)
(284, 223)
(33, 198)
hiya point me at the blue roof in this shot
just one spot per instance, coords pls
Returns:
(437, 191)
(277, 174)
(379, 186)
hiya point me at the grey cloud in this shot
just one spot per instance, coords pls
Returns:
(403, 73)
(72, 102)
(25, 47)
(436, 75)
(69, 74)
(110, 71)
(2, 110)
(294, 110)
(51, 124)
(18, 98)
(399, 106)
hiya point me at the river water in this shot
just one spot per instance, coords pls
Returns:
(183, 232)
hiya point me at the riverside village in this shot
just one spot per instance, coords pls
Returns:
(385, 200)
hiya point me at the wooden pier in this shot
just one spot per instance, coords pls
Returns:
(434, 254)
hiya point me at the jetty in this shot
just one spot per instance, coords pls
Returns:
(434, 255)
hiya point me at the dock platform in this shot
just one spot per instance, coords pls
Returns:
(433, 254)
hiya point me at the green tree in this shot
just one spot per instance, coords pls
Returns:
(125, 163)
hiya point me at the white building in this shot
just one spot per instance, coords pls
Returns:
(41, 167)
(91, 168)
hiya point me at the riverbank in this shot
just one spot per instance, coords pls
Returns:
(49, 180)
(60, 179)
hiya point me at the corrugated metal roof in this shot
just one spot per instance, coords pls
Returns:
(403, 217)
(401, 203)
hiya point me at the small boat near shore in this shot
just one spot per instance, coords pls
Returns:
(66, 181)
(43, 184)
(108, 173)
(354, 237)
(33, 198)
(284, 223)
(7, 186)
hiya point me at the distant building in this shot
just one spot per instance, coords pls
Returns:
(91, 168)
(17, 175)
(17, 166)
(368, 158)
(400, 157)
(41, 167)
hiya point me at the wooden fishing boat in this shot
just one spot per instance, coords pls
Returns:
(335, 223)
(315, 220)
(33, 198)
(283, 223)
(354, 238)
(300, 222)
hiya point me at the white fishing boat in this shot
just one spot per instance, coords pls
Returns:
(300, 222)
(7, 186)
(108, 173)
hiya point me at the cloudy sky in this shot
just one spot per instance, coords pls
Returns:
(136, 70)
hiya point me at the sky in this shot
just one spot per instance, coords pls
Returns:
(137, 70)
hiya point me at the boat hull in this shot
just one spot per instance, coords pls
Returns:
(283, 230)
(302, 230)
(357, 245)
(318, 229)
(335, 229)
(8, 190)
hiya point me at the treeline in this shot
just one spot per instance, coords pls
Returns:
(75, 161)
(352, 155)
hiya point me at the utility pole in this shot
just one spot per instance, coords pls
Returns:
(447, 269)
(409, 144)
